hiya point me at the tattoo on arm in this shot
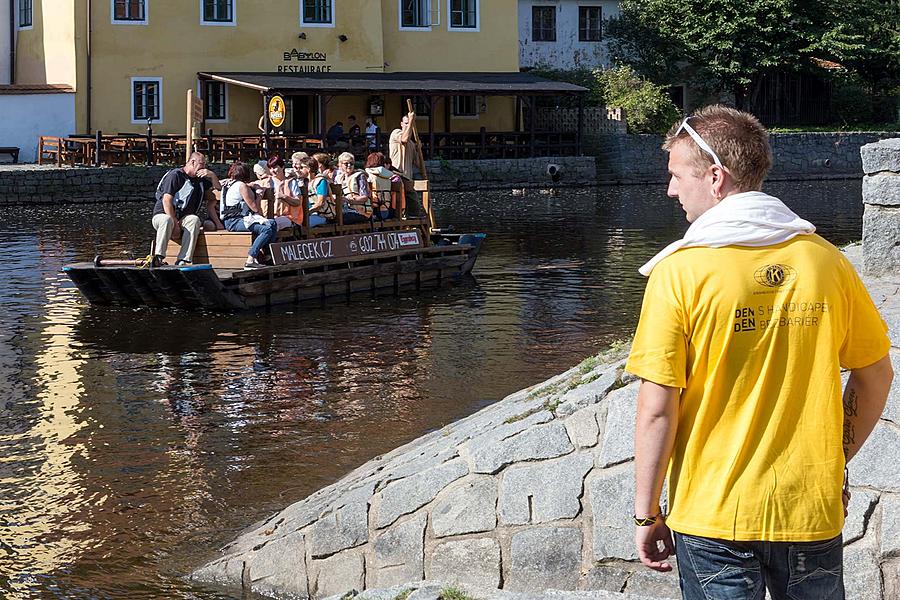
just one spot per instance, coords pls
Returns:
(851, 409)
(851, 403)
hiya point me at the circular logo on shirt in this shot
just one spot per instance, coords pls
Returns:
(774, 275)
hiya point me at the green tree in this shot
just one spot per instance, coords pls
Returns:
(648, 108)
(729, 44)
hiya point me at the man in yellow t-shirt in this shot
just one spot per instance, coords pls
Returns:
(746, 324)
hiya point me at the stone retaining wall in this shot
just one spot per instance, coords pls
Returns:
(534, 492)
(33, 184)
(881, 196)
(528, 172)
(638, 158)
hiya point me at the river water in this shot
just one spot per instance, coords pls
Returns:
(134, 443)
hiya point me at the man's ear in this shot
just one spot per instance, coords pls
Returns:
(718, 177)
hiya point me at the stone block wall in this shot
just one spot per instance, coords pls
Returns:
(509, 172)
(530, 493)
(597, 120)
(33, 184)
(638, 158)
(881, 216)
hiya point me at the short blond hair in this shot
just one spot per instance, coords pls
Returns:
(738, 139)
(299, 156)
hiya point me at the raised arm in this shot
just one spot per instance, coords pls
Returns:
(654, 437)
(406, 128)
(250, 198)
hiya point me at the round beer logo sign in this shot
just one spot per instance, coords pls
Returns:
(277, 111)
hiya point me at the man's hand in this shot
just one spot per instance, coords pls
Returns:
(411, 116)
(646, 540)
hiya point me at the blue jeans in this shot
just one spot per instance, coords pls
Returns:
(263, 234)
(712, 569)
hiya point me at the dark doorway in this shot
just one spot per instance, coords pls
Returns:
(300, 113)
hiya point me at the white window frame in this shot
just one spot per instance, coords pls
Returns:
(477, 27)
(115, 21)
(16, 17)
(159, 81)
(578, 18)
(428, 10)
(231, 23)
(333, 17)
(477, 100)
(201, 93)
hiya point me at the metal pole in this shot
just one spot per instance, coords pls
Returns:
(266, 98)
(98, 138)
(149, 142)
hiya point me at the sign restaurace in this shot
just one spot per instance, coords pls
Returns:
(302, 56)
(343, 246)
(277, 111)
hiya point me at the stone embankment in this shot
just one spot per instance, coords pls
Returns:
(534, 493)
(796, 156)
(34, 184)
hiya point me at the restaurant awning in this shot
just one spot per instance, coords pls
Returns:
(432, 84)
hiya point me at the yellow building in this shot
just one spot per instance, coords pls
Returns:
(133, 60)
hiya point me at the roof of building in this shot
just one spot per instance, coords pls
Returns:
(435, 84)
(36, 88)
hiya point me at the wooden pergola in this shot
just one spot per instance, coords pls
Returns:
(525, 141)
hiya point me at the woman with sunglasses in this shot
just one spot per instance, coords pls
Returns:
(357, 201)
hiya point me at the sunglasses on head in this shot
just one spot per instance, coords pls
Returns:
(700, 141)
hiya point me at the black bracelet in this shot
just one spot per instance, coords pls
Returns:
(646, 521)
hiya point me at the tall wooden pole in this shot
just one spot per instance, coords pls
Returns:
(189, 127)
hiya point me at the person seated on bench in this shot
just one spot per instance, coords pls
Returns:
(296, 159)
(178, 198)
(288, 194)
(357, 202)
(321, 202)
(326, 166)
(380, 184)
(240, 211)
(261, 170)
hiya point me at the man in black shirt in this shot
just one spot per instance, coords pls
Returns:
(179, 196)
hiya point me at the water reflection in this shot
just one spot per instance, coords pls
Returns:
(134, 443)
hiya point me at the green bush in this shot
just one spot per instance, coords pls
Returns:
(648, 108)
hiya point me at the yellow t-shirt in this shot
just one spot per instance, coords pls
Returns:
(756, 338)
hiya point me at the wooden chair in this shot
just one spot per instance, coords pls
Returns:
(51, 148)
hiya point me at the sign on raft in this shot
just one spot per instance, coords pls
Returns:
(343, 246)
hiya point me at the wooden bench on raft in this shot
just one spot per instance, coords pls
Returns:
(228, 249)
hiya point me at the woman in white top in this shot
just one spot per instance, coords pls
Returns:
(239, 210)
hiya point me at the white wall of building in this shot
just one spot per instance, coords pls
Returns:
(566, 52)
(5, 42)
(27, 116)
